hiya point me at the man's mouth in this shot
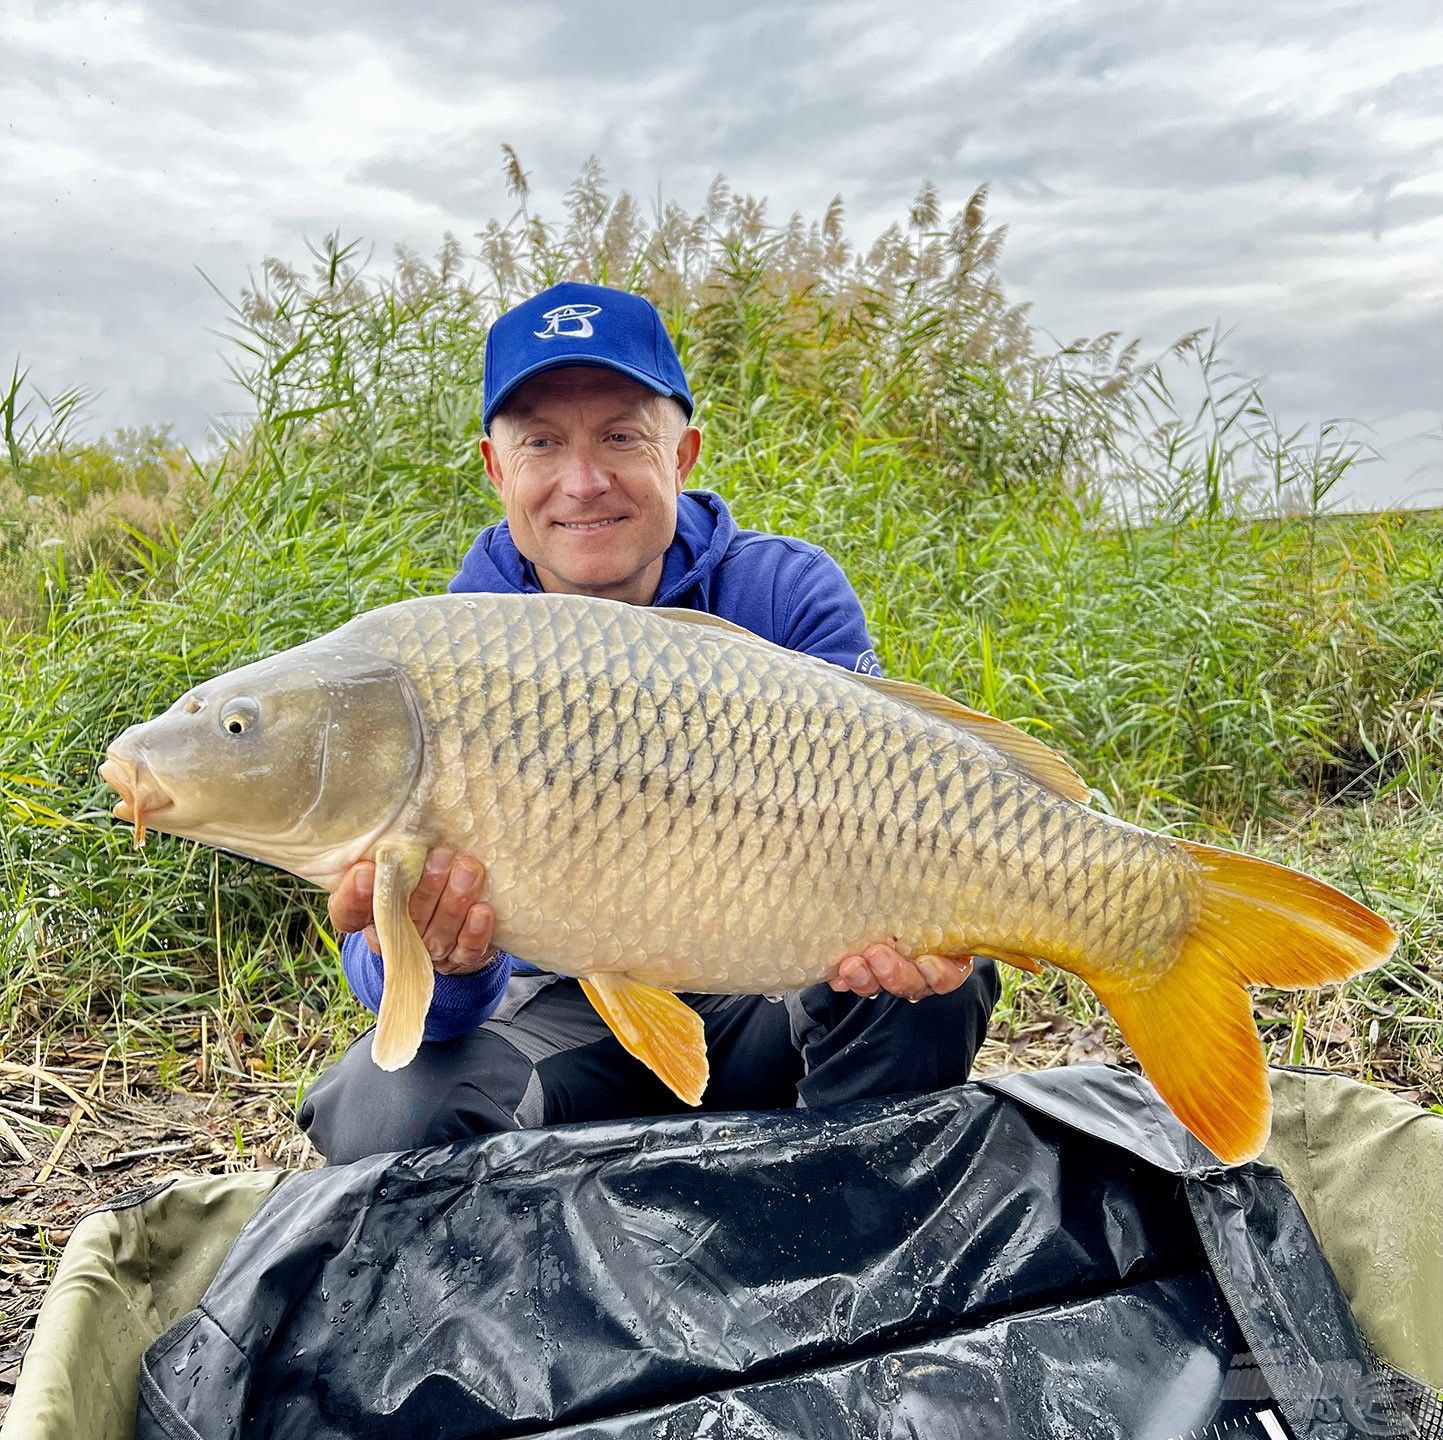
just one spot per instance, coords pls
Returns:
(583, 527)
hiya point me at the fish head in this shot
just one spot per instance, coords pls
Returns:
(300, 760)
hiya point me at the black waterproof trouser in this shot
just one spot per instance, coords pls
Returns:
(547, 1058)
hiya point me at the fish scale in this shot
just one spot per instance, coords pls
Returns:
(804, 818)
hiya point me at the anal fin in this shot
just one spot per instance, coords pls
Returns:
(1030, 963)
(655, 1026)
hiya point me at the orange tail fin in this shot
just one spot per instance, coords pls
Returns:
(1192, 1028)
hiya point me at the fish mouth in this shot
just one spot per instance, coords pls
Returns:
(140, 793)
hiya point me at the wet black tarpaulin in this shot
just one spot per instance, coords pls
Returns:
(1047, 1255)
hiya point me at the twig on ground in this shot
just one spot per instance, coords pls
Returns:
(13, 1140)
(49, 1077)
(82, 1108)
(111, 1162)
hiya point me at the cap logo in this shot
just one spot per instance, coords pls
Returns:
(573, 321)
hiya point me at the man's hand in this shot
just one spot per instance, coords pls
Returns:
(455, 927)
(879, 968)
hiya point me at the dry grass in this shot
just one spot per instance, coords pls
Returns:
(69, 509)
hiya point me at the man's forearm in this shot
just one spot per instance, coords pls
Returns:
(459, 1003)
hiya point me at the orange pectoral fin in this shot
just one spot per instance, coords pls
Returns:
(660, 1030)
(409, 974)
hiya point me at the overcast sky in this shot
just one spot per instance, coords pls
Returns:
(1277, 168)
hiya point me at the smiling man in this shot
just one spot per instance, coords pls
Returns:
(589, 443)
(600, 523)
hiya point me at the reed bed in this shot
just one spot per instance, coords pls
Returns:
(1049, 532)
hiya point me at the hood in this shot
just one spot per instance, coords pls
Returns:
(704, 530)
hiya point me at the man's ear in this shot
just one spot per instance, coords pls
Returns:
(493, 464)
(688, 447)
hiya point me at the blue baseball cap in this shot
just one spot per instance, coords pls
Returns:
(575, 324)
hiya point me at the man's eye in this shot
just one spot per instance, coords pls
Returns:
(621, 437)
(537, 442)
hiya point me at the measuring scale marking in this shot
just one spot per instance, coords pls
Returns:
(1261, 1424)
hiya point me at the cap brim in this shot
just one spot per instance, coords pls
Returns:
(558, 362)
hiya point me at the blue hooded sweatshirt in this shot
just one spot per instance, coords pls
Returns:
(785, 590)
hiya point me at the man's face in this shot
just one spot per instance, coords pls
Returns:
(588, 465)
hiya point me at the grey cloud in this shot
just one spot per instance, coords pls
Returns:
(1411, 92)
(460, 174)
(1145, 189)
(138, 335)
(455, 46)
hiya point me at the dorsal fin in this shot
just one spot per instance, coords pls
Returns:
(1037, 761)
(1028, 754)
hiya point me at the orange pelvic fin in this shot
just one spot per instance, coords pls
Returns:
(406, 964)
(1192, 1027)
(660, 1030)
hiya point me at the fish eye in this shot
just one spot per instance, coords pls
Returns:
(239, 715)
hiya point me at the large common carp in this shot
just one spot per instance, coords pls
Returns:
(666, 802)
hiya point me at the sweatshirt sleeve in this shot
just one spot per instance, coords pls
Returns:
(822, 616)
(459, 1003)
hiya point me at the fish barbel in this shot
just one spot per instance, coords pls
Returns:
(665, 802)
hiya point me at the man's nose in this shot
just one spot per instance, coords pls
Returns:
(585, 476)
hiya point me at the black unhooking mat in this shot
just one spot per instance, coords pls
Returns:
(1038, 1256)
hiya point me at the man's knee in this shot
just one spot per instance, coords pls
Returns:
(988, 986)
(855, 1048)
(453, 1089)
(947, 1030)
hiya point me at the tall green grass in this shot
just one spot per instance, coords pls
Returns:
(70, 506)
(1049, 533)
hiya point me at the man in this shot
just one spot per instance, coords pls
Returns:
(588, 442)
